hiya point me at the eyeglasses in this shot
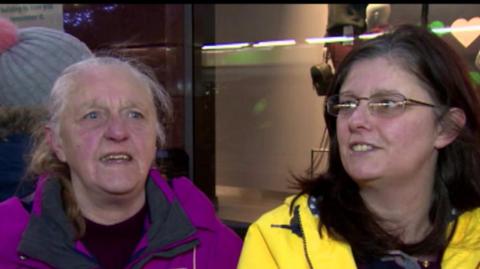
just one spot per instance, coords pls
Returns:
(383, 105)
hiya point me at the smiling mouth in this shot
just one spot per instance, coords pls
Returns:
(117, 157)
(361, 147)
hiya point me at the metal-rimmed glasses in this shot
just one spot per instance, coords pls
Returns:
(383, 105)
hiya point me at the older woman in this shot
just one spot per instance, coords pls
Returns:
(99, 201)
(402, 187)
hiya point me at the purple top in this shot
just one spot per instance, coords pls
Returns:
(113, 245)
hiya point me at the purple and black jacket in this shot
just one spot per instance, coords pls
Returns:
(181, 231)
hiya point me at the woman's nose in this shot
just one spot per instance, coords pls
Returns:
(116, 129)
(360, 117)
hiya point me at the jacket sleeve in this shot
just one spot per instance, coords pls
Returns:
(255, 253)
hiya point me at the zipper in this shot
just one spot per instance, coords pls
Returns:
(304, 240)
(194, 261)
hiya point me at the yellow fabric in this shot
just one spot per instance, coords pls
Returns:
(275, 247)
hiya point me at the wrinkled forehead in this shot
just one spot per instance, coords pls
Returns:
(108, 81)
(103, 73)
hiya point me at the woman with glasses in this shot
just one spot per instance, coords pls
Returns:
(402, 187)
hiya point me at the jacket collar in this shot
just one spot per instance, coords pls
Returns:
(182, 189)
(321, 250)
(49, 235)
(170, 226)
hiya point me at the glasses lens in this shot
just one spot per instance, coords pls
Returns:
(341, 104)
(387, 105)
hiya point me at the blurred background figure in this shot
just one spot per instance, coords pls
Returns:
(347, 20)
(30, 61)
(377, 17)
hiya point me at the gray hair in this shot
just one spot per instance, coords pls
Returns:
(67, 80)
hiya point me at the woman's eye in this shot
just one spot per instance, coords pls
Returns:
(91, 115)
(347, 103)
(135, 115)
(386, 103)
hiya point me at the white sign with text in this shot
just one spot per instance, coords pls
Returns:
(27, 15)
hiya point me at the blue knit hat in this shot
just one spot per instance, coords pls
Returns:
(31, 59)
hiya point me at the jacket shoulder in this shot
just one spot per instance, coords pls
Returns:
(13, 221)
(224, 244)
(13, 215)
(282, 213)
(191, 197)
(274, 239)
(467, 234)
(196, 204)
(464, 248)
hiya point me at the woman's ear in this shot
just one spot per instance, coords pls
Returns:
(450, 127)
(55, 143)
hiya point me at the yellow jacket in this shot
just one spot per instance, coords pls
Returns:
(275, 241)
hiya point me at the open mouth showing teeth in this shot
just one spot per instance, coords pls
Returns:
(361, 147)
(116, 157)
